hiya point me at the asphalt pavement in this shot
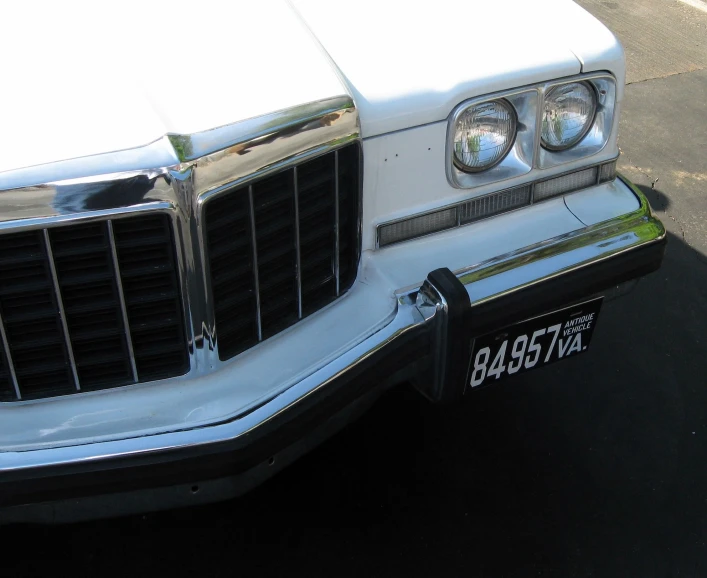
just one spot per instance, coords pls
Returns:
(595, 467)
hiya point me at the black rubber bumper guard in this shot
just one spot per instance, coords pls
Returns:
(455, 330)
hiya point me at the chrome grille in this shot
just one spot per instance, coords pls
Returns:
(282, 247)
(89, 306)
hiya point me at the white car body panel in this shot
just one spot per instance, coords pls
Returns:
(400, 66)
(406, 176)
(108, 88)
(599, 204)
(594, 44)
(408, 65)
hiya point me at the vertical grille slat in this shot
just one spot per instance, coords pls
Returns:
(295, 252)
(63, 316)
(256, 279)
(121, 302)
(9, 391)
(336, 225)
(298, 249)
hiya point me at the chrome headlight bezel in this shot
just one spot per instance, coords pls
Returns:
(527, 156)
(599, 132)
(518, 160)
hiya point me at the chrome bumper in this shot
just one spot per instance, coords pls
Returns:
(516, 285)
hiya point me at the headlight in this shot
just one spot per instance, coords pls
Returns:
(484, 133)
(568, 113)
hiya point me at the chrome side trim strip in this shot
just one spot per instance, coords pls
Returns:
(8, 357)
(62, 311)
(255, 262)
(336, 220)
(121, 298)
(298, 265)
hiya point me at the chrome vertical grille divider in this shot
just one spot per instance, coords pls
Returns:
(336, 220)
(254, 243)
(121, 298)
(62, 311)
(297, 248)
(8, 357)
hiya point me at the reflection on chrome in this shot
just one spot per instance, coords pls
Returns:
(175, 174)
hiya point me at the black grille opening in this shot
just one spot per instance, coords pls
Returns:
(150, 281)
(257, 288)
(89, 290)
(349, 207)
(316, 182)
(274, 206)
(84, 265)
(7, 391)
(30, 312)
(229, 245)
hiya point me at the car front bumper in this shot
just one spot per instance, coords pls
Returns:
(426, 341)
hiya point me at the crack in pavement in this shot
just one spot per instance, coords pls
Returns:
(662, 199)
(665, 76)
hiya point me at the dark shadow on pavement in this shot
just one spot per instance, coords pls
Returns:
(659, 201)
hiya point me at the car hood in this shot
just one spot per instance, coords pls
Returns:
(85, 80)
(89, 79)
(408, 64)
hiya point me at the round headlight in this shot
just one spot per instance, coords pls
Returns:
(483, 135)
(568, 114)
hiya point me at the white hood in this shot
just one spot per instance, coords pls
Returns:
(410, 63)
(85, 79)
(93, 78)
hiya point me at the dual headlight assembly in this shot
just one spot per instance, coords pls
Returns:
(484, 133)
(529, 131)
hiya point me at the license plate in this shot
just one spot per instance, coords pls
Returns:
(532, 343)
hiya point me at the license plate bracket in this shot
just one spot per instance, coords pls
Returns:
(532, 343)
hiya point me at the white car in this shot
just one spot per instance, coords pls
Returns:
(226, 228)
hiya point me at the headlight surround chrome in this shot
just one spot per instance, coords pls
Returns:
(528, 157)
(517, 159)
(568, 114)
(597, 134)
(484, 134)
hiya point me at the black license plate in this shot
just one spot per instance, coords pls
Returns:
(532, 343)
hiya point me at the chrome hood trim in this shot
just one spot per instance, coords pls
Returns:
(175, 175)
(74, 186)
